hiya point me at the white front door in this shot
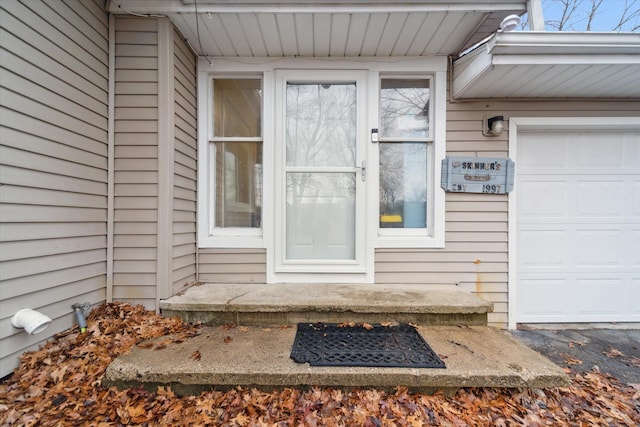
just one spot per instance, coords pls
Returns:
(320, 176)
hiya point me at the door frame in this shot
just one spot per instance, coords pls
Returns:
(356, 271)
(519, 124)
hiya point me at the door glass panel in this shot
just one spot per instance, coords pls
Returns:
(321, 124)
(403, 185)
(320, 216)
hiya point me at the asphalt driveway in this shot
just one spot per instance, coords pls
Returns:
(613, 351)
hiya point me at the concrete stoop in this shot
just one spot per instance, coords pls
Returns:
(475, 356)
(276, 304)
(256, 352)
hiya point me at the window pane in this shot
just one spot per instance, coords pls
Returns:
(238, 184)
(321, 124)
(237, 107)
(403, 185)
(404, 108)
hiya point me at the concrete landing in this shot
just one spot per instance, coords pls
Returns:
(275, 304)
(475, 356)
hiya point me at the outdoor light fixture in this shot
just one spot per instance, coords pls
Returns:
(510, 23)
(492, 125)
(32, 321)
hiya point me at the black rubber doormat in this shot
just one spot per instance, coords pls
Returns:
(330, 344)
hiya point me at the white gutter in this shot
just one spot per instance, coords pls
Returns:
(563, 43)
(536, 48)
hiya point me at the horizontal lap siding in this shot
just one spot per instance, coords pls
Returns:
(53, 164)
(136, 161)
(476, 240)
(185, 166)
(232, 265)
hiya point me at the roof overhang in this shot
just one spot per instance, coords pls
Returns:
(550, 65)
(308, 28)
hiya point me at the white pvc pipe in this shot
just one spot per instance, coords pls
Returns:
(32, 321)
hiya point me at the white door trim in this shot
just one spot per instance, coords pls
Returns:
(279, 270)
(519, 124)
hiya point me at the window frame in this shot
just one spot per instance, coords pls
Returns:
(209, 235)
(434, 67)
(432, 236)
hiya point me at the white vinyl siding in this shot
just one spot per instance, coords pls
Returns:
(136, 161)
(185, 166)
(53, 159)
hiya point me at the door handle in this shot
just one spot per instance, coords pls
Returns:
(363, 170)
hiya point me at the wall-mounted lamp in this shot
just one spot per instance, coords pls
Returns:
(492, 125)
(510, 23)
(32, 321)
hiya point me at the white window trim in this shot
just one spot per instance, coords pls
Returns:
(519, 124)
(433, 235)
(246, 238)
(210, 236)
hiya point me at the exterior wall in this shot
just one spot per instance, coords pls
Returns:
(53, 164)
(232, 265)
(475, 254)
(185, 166)
(155, 161)
(136, 161)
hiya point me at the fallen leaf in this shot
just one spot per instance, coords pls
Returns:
(613, 353)
(228, 326)
(145, 345)
(367, 326)
(227, 339)
(196, 355)
(243, 328)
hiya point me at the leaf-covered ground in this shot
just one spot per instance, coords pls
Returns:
(61, 385)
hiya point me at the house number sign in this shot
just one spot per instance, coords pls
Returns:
(477, 175)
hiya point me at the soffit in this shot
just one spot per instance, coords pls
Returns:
(551, 65)
(305, 28)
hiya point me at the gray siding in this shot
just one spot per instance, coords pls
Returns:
(476, 240)
(136, 161)
(185, 166)
(232, 265)
(476, 254)
(53, 164)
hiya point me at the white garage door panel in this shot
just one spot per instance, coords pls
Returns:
(578, 225)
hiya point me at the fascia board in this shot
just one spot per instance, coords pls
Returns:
(310, 6)
(471, 69)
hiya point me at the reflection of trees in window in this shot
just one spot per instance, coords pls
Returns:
(402, 173)
(320, 131)
(404, 108)
(404, 132)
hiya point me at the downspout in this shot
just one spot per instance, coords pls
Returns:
(111, 156)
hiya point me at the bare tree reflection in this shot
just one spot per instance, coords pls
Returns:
(404, 108)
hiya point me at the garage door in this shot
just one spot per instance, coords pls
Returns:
(578, 227)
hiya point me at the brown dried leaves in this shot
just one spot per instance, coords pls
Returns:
(61, 385)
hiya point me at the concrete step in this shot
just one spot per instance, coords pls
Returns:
(254, 356)
(276, 304)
